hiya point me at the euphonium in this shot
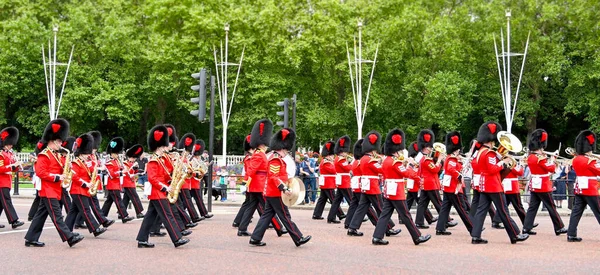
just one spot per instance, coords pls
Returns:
(439, 149)
(67, 172)
(509, 143)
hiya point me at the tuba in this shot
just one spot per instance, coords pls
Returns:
(509, 143)
(67, 171)
(296, 187)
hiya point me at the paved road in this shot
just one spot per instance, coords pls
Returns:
(215, 248)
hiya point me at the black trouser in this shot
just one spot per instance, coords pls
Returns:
(130, 194)
(274, 206)
(65, 200)
(197, 195)
(485, 202)
(450, 200)
(475, 204)
(96, 210)
(7, 205)
(326, 195)
(363, 206)
(515, 200)
(186, 202)
(413, 197)
(340, 194)
(464, 200)
(570, 191)
(257, 202)
(534, 204)
(432, 196)
(386, 214)
(161, 210)
(353, 205)
(579, 204)
(114, 196)
(48, 207)
(34, 205)
(81, 204)
(238, 218)
(181, 209)
(179, 223)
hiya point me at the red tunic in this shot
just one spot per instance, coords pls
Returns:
(512, 180)
(129, 174)
(428, 171)
(277, 176)
(82, 173)
(413, 180)
(158, 176)
(371, 169)
(356, 174)
(452, 169)
(343, 168)
(50, 164)
(490, 166)
(6, 159)
(256, 170)
(114, 175)
(328, 174)
(587, 170)
(541, 170)
(187, 185)
(395, 175)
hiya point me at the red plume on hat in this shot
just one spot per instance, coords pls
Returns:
(342, 145)
(327, 149)
(187, 142)
(247, 146)
(453, 142)
(394, 142)
(135, 151)
(9, 136)
(426, 138)
(488, 132)
(283, 139)
(261, 134)
(158, 137)
(85, 144)
(56, 129)
(585, 142)
(199, 147)
(371, 142)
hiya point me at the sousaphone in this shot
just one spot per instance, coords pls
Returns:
(297, 191)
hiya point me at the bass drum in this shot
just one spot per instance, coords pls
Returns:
(297, 190)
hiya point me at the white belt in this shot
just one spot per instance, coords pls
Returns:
(394, 180)
(343, 174)
(371, 177)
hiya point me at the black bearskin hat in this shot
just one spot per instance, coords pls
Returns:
(283, 139)
(40, 146)
(585, 142)
(328, 149)
(187, 142)
(371, 142)
(115, 146)
(97, 138)
(70, 144)
(135, 151)
(488, 132)
(394, 142)
(56, 129)
(538, 139)
(172, 135)
(85, 144)
(453, 142)
(358, 149)
(247, 146)
(342, 145)
(158, 137)
(413, 149)
(262, 131)
(9, 136)
(426, 138)
(199, 147)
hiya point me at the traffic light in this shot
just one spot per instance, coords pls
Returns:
(285, 113)
(201, 99)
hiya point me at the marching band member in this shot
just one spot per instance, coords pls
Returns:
(370, 165)
(343, 166)
(187, 143)
(587, 168)
(513, 191)
(49, 168)
(8, 164)
(115, 174)
(83, 169)
(490, 165)
(326, 184)
(65, 200)
(355, 186)
(258, 167)
(197, 180)
(282, 142)
(430, 182)
(452, 185)
(39, 147)
(413, 187)
(475, 183)
(158, 178)
(541, 168)
(130, 172)
(248, 150)
(395, 173)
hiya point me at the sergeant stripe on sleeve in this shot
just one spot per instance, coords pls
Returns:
(274, 168)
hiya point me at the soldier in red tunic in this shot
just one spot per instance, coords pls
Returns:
(475, 182)
(8, 164)
(541, 168)
(158, 178)
(248, 150)
(513, 191)
(49, 168)
(587, 168)
(343, 166)
(452, 185)
(395, 174)
(197, 179)
(130, 179)
(413, 185)
(115, 177)
(83, 169)
(355, 186)
(429, 168)
(281, 144)
(490, 164)
(370, 165)
(187, 143)
(327, 184)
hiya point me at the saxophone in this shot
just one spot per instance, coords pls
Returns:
(67, 171)
(95, 182)
(177, 179)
